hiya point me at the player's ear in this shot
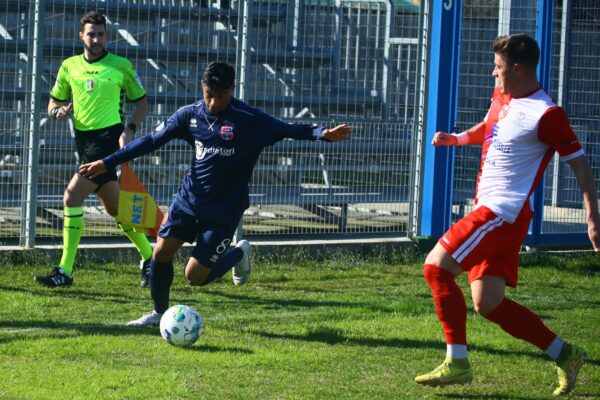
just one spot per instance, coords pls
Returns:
(517, 68)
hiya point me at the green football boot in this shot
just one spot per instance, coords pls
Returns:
(569, 361)
(451, 372)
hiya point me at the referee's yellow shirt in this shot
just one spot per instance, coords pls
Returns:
(97, 88)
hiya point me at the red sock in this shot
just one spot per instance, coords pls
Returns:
(449, 303)
(521, 323)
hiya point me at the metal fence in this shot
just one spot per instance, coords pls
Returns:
(316, 61)
(319, 61)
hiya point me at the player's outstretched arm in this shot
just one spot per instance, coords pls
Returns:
(444, 139)
(93, 169)
(340, 132)
(585, 179)
(473, 135)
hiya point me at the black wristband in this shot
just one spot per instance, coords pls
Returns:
(54, 111)
(132, 126)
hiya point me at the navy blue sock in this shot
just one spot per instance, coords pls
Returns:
(161, 278)
(225, 263)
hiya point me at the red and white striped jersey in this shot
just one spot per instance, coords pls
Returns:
(521, 136)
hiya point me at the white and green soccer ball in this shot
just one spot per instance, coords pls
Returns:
(181, 325)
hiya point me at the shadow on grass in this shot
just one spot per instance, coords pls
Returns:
(576, 393)
(34, 330)
(119, 298)
(423, 303)
(334, 336)
(485, 396)
(202, 348)
(115, 329)
(298, 303)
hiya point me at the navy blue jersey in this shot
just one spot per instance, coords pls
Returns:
(227, 147)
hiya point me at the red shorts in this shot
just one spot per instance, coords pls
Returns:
(484, 244)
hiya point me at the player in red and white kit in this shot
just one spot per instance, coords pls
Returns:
(519, 135)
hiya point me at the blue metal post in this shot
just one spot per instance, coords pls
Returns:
(545, 14)
(440, 111)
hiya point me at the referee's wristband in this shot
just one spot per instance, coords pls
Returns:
(462, 138)
(54, 111)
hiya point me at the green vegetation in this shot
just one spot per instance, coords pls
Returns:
(334, 328)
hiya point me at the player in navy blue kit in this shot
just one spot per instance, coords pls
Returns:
(228, 137)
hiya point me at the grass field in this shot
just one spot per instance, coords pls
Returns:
(339, 328)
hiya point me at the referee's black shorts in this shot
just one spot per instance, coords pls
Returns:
(97, 144)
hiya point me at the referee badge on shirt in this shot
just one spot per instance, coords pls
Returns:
(89, 84)
(227, 132)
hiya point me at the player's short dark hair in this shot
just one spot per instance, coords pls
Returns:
(94, 18)
(519, 48)
(219, 76)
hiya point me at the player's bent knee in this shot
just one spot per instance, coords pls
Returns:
(196, 274)
(70, 200)
(162, 256)
(164, 253)
(436, 255)
(484, 306)
(196, 283)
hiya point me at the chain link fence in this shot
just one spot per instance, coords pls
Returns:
(313, 61)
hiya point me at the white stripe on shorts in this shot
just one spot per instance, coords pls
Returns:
(473, 240)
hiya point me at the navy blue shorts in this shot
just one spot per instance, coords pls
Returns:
(212, 239)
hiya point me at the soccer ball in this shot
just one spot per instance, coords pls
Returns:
(181, 325)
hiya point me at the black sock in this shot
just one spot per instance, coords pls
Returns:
(161, 278)
(225, 263)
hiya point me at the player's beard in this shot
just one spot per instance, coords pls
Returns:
(96, 51)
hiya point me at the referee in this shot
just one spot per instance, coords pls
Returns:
(96, 82)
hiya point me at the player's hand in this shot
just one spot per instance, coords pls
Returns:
(93, 169)
(340, 132)
(444, 139)
(594, 234)
(65, 112)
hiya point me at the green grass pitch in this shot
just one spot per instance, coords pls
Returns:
(339, 328)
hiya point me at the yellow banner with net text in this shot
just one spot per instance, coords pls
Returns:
(136, 207)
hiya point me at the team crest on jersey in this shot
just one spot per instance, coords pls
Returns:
(193, 123)
(227, 132)
(89, 84)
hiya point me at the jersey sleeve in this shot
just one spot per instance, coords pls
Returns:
(132, 84)
(173, 128)
(61, 91)
(272, 130)
(554, 130)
